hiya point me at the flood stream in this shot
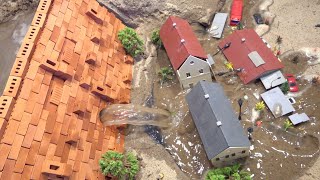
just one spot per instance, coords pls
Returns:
(11, 36)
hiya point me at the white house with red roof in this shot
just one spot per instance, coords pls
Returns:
(186, 55)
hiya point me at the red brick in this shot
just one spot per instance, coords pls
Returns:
(55, 34)
(56, 95)
(19, 109)
(39, 19)
(25, 51)
(51, 122)
(49, 64)
(37, 167)
(29, 136)
(56, 133)
(51, 20)
(16, 146)
(43, 94)
(5, 150)
(36, 114)
(21, 160)
(6, 106)
(85, 82)
(31, 102)
(94, 15)
(44, 144)
(59, 43)
(44, 6)
(20, 67)
(79, 108)
(78, 47)
(8, 169)
(32, 35)
(47, 78)
(65, 71)
(31, 158)
(90, 132)
(27, 170)
(56, 168)
(60, 146)
(37, 83)
(23, 127)
(3, 126)
(96, 36)
(40, 130)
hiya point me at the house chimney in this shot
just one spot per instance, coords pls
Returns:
(243, 39)
(183, 41)
(174, 25)
(206, 96)
(219, 123)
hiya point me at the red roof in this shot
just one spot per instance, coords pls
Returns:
(238, 52)
(171, 38)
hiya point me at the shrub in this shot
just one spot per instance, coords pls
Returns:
(229, 66)
(166, 74)
(155, 38)
(285, 87)
(131, 41)
(260, 106)
(119, 165)
(229, 172)
(287, 124)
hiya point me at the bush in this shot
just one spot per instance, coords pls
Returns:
(287, 124)
(230, 172)
(131, 41)
(119, 165)
(166, 74)
(285, 87)
(155, 38)
(229, 66)
(260, 106)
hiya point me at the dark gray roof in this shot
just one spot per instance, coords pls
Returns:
(207, 112)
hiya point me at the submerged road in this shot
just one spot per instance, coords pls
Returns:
(11, 36)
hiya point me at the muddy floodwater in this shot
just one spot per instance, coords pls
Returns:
(11, 36)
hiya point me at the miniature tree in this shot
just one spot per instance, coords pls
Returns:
(119, 165)
(230, 172)
(260, 106)
(155, 38)
(229, 66)
(285, 87)
(131, 41)
(166, 74)
(287, 124)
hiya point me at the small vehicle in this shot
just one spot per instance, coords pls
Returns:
(292, 100)
(292, 81)
(257, 17)
(236, 12)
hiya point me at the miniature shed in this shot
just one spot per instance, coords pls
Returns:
(186, 55)
(277, 102)
(249, 53)
(221, 133)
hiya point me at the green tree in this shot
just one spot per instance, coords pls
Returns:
(131, 41)
(166, 74)
(285, 87)
(229, 172)
(155, 38)
(287, 124)
(119, 165)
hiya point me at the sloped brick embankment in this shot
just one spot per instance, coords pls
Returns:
(70, 66)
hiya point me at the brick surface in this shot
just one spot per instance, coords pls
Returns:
(6, 106)
(69, 66)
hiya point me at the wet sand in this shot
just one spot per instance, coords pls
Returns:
(11, 36)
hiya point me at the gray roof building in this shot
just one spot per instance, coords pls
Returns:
(216, 122)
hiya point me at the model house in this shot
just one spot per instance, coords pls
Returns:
(221, 133)
(186, 55)
(248, 53)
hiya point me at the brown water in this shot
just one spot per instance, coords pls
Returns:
(11, 36)
(118, 114)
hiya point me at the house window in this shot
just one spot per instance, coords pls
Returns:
(243, 152)
(191, 62)
(201, 71)
(227, 156)
(233, 154)
(191, 85)
(217, 159)
(188, 74)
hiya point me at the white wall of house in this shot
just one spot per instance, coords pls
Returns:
(192, 71)
(230, 154)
